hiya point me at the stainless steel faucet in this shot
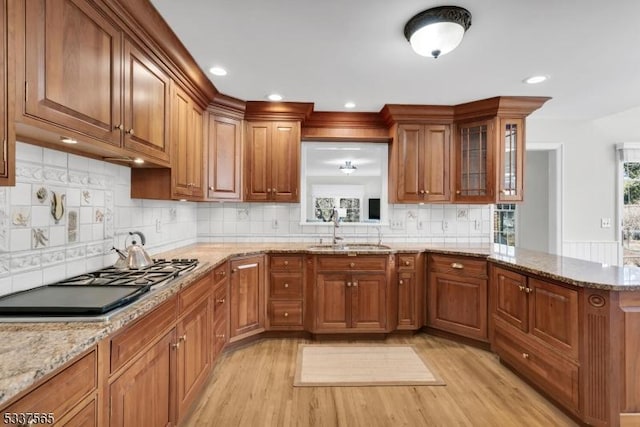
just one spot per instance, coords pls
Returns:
(335, 217)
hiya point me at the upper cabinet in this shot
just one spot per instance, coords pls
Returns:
(474, 160)
(272, 165)
(82, 76)
(7, 159)
(224, 157)
(510, 159)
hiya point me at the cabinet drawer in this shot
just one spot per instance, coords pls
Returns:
(285, 313)
(220, 273)
(463, 266)
(129, 342)
(406, 262)
(368, 263)
(556, 375)
(190, 296)
(220, 302)
(87, 417)
(285, 285)
(286, 263)
(61, 393)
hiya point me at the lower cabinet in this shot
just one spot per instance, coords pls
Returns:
(410, 280)
(220, 309)
(457, 296)
(285, 301)
(247, 297)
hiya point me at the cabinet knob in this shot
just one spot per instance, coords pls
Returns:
(175, 346)
(130, 132)
(503, 192)
(286, 263)
(528, 290)
(522, 288)
(286, 285)
(407, 263)
(457, 265)
(525, 355)
(353, 264)
(354, 284)
(348, 284)
(286, 314)
(220, 301)
(427, 192)
(183, 338)
(120, 127)
(421, 191)
(221, 336)
(457, 191)
(233, 270)
(268, 190)
(401, 282)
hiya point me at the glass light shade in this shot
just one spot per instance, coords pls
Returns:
(437, 39)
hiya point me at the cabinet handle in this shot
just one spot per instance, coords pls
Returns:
(522, 288)
(211, 188)
(457, 265)
(233, 270)
(401, 282)
(353, 264)
(528, 290)
(220, 301)
(221, 336)
(130, 132)
(268, 190)
(348, 284)
(355, 284)
(175, 346)
(407, 263)
(427, 192)
(525, 355)
(183, 338)
(457, 191)
(421, 191)
(286, 263)
(503, 192)
(286, 314)
(286, 285)
(119, 127)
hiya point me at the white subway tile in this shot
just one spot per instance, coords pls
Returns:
(28, 280)
(20, 239)
(29, 152)
(21, 194)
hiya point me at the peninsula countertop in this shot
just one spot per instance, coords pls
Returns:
(31, 351)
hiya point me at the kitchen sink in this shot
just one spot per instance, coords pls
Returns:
(350, 247)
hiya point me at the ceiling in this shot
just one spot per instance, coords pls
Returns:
(333, 51)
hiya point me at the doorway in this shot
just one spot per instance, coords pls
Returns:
(539, 217)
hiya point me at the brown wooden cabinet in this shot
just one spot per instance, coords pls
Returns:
(410, 279)
(143, 394)
(82, 74)
(224, 157)
(351, 294)
(457, 296)
(422, 169)
(187, 170)
(7, 131)
(246, 297)
(272, 165)
(285, 299)
(474, 160)
(220, 308)
(535, 329)
(510, 170)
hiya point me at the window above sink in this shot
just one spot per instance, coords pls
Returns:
(349, 176)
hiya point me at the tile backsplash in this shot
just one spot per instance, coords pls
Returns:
(66, 212)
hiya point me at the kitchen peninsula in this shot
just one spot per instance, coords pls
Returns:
(559, 322)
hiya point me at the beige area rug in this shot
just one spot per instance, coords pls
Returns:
(361, 365)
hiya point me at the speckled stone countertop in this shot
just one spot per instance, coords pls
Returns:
(30, 351)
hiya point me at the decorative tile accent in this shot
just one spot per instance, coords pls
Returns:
(21, 216)
(52, 257)
(25, 261)
(41, 195)
(99, 215)
(78, 179)
(75, 252)
(26, 172)
(173, 214)
(5, 262)
(72, 226)
(95, 249)
(463, 214)
(96, 180)
(55, 175)
(40, 237)
(85, 199)
(57, 205)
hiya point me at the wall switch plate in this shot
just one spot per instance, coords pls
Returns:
(274, 224)
(158, 226)
(605, 222)
(419, 225)
(445, 225)
(396, 224)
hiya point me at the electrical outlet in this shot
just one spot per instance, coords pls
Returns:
(605, 222)
(445, 225)
(158, 226)
(274, 224)
(396, 224)
(419, 225)
(477, 225)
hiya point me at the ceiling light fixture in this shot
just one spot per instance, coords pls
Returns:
(350, 105)
(535, 79)
(274, 97)
(348, 168)
(218, 71)
(437, 31)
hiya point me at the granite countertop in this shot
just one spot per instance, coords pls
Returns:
(32, 350)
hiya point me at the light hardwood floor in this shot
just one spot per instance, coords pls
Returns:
(252, 386)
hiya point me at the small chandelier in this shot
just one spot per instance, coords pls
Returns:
(437, 31)
(347, 168)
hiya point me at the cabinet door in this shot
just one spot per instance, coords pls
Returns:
(458, 304)
(510, 298)
(553, 315)
(409, 180)
(146, 104)
(368, 301)
(180, 124)
(142, 396)
(332, 310)
(7, 133)
(194, 359)
(247, 299)
(257, 165)
(511, 159)
(285, 162)
(474, 162)
(73, 68)
(407, 301)
(224, 158)
(434, 158)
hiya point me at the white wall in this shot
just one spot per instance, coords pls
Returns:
(99, 193)
(533, 213)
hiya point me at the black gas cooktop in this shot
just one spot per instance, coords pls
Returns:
(91, 296)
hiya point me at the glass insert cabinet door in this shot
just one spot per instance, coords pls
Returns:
(474, 161)
(511, 160)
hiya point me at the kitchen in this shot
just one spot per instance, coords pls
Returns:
(97, 195)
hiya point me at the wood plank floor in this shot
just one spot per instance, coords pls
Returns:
(252, 386)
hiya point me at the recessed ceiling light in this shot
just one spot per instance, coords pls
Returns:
(138, 161)
(218, 71)
(535, 79)
(350, 105)
(274, 97)
(68, 140)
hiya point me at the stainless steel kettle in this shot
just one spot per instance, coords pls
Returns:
(134, 256)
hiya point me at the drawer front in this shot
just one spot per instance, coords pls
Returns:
(220, 302)
(285, 285)
(220, 273)
(195, 292)
(556, 375)
(366, 263)
(406, 262)
(463, 266)
(63, 391)
(285, 313)
(286, 263)
(129, 342)
(87, 417)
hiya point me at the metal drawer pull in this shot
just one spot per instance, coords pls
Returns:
(286, 263)
(220, 301)
(457, 265)
(407, 263)
(525, 355)
(528, 290)
(521, 287)
(348, 284)
(286, 285)
(355, 284)
(220, 336)
(286, 314)
(183, 338)
(401, 282)
(242, 267)
(353, 264)
(175, 346)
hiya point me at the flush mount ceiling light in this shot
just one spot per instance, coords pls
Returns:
(350, 104)
(347, 168)
(535, 79)
(274, 97)
(437, 31)
(218, 71)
